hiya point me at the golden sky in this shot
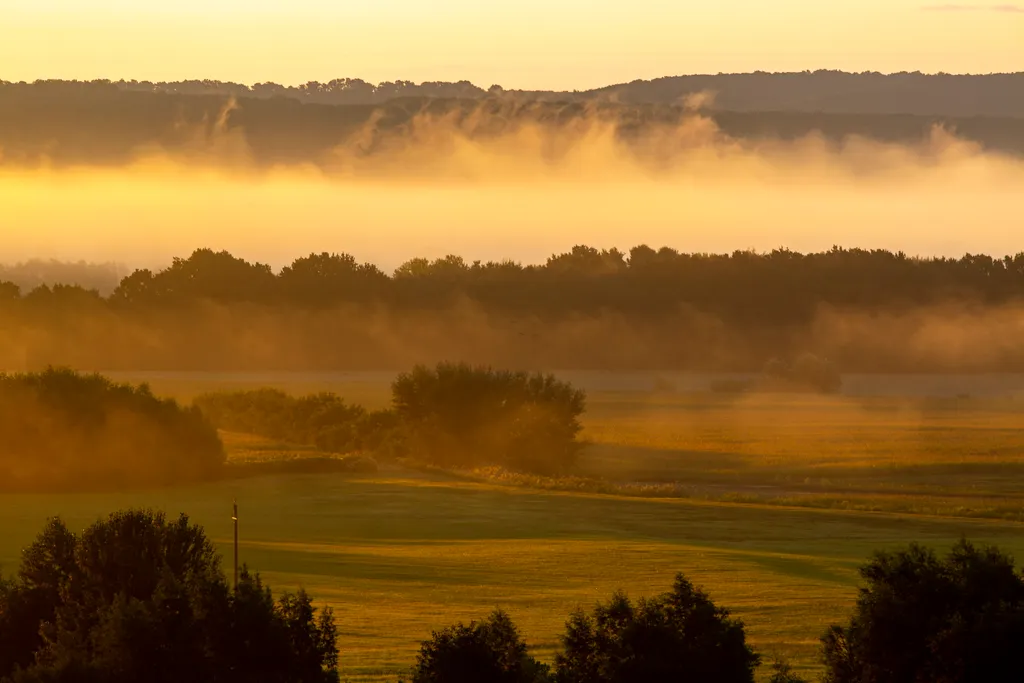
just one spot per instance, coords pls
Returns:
(556, 44)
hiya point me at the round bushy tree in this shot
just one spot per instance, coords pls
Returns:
(490, 651)
(461, 415)
(957, 619)
(679, 636)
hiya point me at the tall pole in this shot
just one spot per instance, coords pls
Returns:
(234, 519)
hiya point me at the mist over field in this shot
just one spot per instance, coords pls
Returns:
(497, 180)
(451, 348)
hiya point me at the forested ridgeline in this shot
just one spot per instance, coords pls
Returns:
(818, 91)
(33, 273)
(69, 123)
(587, 309)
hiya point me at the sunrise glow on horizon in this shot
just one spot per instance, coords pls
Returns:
(530, 44)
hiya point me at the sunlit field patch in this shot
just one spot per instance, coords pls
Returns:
(780, 498)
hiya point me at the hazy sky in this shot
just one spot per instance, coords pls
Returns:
(560, 44)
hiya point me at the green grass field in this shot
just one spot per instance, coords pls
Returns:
(778, 514)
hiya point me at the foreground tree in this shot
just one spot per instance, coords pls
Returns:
(679, 636)
(957, 619)
(136, 597)
(490, 651)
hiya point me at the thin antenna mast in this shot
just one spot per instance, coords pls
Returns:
(234, 519)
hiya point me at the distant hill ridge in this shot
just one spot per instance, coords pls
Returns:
(58, 124)
(835, 92)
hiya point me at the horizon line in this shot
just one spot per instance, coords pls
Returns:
(296, 84)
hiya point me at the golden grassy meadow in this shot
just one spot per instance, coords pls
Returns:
(770, 502)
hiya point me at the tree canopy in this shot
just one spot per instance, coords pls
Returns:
(585, 308)
(921, 617)
(65, 430)
(139, 597)
(491, 651)
(449, 415)
(457, 414)
(678, 636)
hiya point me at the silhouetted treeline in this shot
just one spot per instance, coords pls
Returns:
(807, 91)
(451, 415)
(28, 275)
(839, 92)
(337, 91)
(678, 636)
(780, 285)
(67, 123)
(919, 617)
(585, 309)
(137, 597)
(62, 430)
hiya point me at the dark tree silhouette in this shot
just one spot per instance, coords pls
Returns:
(326, 279)
(457, 414)
(102, 277)
(204, 275)
(584, 309)
(681, 635)
(782, 672)
(9, 292)
(323, 420)
(137, 597)
(490, 651)
(955, 619)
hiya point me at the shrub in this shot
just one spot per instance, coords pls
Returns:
(459, 415)
(782, 672)
(276, 415)
(453, 415)
(137, 597)
(61, 429)
(957, 619)
(322, 420)
(490, 651)
(678, 636)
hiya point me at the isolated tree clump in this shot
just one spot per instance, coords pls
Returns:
(138, 597)
(490, 651)
(954, 619)
(323, 420)
(460, 415)
(678, 636)
(64, 430)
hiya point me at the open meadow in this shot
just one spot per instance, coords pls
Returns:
(768, 501)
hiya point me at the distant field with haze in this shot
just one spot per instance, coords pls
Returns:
(769, 501)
